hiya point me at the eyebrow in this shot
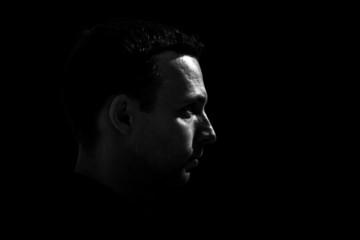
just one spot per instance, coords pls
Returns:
(196, 98)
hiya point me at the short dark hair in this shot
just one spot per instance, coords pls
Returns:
(117, 56)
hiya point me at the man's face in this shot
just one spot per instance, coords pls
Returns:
(172, 136)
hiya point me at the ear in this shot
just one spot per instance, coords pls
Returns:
(120, 114)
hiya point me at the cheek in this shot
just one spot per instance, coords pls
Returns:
(184, 132)
(174, 140)
(166, 144)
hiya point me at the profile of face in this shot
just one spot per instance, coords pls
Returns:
(169, 140)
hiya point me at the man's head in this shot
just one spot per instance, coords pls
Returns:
(135, 97)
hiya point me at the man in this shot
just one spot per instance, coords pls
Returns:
(135, 97)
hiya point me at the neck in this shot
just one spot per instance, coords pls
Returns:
(119, 172)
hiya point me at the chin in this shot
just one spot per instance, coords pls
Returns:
(179, 179)
(186, 176)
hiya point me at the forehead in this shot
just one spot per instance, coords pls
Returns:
(183, 79)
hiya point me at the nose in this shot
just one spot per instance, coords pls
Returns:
(207, 133)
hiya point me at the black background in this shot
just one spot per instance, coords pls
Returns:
(269, 75)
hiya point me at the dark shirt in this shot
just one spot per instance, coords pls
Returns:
(77, 205)
(91, 198)
(82, 205)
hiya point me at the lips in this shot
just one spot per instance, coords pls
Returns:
(194, 160)
(193, 163)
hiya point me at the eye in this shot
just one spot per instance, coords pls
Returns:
(187, 111)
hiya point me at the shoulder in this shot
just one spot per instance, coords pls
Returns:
(83, 201)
